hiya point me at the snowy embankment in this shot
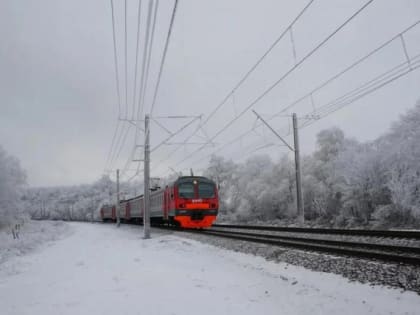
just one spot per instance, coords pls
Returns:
(99, 269)
(404, 276)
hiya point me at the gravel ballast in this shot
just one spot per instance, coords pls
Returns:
(405, 277)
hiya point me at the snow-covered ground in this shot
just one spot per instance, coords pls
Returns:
(32, 235)
(99, 269)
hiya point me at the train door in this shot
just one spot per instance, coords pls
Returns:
(166, 203)
(113, 213)
(127, 211)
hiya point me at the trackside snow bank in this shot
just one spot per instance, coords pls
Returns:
(31, 235)
(403, 276)
(100, 269)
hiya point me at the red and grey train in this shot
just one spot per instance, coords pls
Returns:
(190, 202)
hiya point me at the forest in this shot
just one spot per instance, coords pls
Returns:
(345, 183)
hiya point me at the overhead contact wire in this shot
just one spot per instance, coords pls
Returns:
(240, 82)
(116, 60)
(282, 78)
(149, 55)
(162, 63)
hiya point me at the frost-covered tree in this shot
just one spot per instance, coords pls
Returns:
(256, 189)
(363, 182)
(283, 188)
(223, 173)
(401, 148)
(12, 180)
(322, 195)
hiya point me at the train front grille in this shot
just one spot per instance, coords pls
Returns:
(197, 215)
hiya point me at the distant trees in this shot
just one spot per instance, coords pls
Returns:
(12, 180)
(81, 202)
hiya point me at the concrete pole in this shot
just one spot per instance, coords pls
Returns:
(299, 199)
(146, 214)
(117, 207)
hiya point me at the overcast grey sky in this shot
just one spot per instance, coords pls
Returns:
(58, 102)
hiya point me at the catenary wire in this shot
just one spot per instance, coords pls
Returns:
(117, 84)
(106, 169)
(281, 79)
(138, 114)
(149, 55)
(350, 97)
(142, 81)
(240, 82)
(136, 62)
(331, 108)
(162, 63)
(145, 53)
(117, 80)
(125, 58)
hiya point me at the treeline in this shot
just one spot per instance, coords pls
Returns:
(345, 182)
(73, 203)
(70, 203)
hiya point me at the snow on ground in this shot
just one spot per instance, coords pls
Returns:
(99, 269)
(32, 235)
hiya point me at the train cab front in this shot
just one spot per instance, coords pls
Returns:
(197, 202)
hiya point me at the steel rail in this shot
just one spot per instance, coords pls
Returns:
(351, 244)
(370, 251)
(331, 249)
(356, 232)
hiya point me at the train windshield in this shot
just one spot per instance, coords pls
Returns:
(186, 190)
(205, 190)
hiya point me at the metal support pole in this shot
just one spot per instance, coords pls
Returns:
(299, 199)
(146, 214)
(117, 207)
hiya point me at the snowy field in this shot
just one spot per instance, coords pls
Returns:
(32, 235)
(99, 269)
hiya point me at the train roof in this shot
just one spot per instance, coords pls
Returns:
(135, 197)
(189, 178)
(179, 180)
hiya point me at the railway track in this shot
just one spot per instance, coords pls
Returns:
(353, 232)
(298, 238)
